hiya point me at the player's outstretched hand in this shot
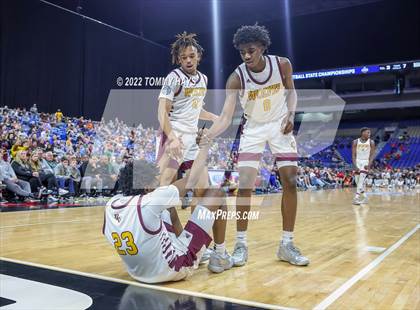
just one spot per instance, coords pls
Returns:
(203, 139)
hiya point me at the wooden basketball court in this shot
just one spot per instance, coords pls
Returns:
(362, 257)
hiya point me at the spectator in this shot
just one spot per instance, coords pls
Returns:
(46, 176)
(12, 183)
(62, 173)
(24, 172)
(74, 174)
(58, 116)
(91, 178)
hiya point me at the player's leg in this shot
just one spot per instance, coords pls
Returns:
(251, 146)
(360, 182)
(191, 151)
(362, 185)
(168, 168)
(198, 193)
(196, 234)
(219, 258)
(287, 251)
(247, 177)
(356, 199)
(288, 176)
(285, 151)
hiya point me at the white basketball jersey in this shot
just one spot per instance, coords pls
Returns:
(263, 95)
(148, 255)
(363, 150)
(187, 95)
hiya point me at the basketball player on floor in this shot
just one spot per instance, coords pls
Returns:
(363, 152)
(139, 225)
(266, 91)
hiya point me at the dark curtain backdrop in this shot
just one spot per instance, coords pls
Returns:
(60, 60)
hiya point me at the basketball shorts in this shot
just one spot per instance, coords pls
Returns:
(254, 138)
(190, 150)
(361, 164)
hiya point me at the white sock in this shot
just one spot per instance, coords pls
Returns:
(287, 237)
(220, 248)
(241, 237)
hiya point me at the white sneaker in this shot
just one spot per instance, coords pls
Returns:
(52, 199)
(289, 253)
(364, 200)
(219, 263)
(240, 254)
(206, 255)
(62, 192)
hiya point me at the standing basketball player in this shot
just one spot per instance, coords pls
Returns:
(266, 91)
(139, 225)
(180, 108)
(363, 152)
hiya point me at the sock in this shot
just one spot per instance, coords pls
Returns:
(220, 248)
(241, 237)
(287, 237)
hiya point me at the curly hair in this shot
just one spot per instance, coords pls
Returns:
(137, 177)
(364, 129)
(252, 34)
(183, 40)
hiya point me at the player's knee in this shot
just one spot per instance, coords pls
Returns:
(289, 182)
(246, 182)
(214, 192)
(213, 198)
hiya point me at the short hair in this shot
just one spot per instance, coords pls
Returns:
(137, 176)
(364, 129)
(183, 40)
(251, 34)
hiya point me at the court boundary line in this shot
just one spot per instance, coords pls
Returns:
(42, 223)
(151, 286)
(51, 209)
(330, 299)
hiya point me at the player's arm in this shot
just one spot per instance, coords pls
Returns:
(372, 153)
(163, 117)
(233, 85)
(291, 98)
(207, 116)
(353, 153)
(175, 146)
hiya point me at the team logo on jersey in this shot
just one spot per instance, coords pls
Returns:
(117, 217)
(166, 90)
(293, 144)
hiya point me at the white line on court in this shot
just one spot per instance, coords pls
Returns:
(349, 283)
(45, 223)
(153, 287)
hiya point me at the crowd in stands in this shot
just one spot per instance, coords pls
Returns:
(52, 156)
